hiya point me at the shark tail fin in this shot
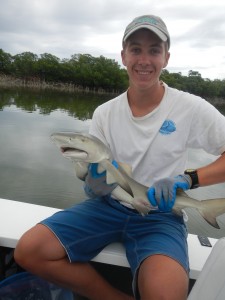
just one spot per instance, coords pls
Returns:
(209, 209)
(208, 215)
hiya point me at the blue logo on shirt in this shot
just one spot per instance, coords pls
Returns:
(167, 127)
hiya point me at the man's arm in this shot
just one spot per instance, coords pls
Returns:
(213, 173)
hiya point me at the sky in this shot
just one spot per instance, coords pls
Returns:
(66, 27)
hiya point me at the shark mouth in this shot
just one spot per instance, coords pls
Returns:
(73, 153)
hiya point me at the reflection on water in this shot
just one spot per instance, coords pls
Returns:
(80, 106)
(32, 168)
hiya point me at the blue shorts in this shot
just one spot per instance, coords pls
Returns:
(86, 228)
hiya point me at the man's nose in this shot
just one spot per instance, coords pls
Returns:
(144, 59)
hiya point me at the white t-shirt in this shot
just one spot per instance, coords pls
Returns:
(155, 145)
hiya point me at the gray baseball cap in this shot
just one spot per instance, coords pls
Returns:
(153, 23)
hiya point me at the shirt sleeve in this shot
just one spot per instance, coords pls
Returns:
(208, 129)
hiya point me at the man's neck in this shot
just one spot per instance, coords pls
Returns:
(142, 102)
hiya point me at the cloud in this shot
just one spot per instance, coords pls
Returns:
(68, 27)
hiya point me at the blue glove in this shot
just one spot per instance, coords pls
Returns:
(95, 183)
(163, 192)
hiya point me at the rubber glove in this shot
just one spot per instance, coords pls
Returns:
(95, 183)
(163, 192)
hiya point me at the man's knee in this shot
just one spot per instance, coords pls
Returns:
(24, 250)
(37, 246)
(161, 277)
(29, 246)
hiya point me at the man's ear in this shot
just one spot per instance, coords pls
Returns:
(123, 57)
(167, 57)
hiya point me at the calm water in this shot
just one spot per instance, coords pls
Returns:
(33, 170)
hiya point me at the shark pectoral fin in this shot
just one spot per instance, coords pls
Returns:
(81, 169)
(127, 168)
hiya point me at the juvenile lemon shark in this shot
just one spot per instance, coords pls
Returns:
(83, 148)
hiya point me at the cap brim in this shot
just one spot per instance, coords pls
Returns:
(159, 33)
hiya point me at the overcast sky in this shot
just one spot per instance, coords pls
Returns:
(67, 27)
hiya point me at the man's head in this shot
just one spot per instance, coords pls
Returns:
(153, 23)
(145, 51)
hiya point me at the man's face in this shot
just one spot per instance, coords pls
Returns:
(144, 56)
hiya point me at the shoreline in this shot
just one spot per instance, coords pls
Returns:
(7, 81)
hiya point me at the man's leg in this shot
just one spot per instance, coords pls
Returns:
(157, 251)
(41, 253)
(161, 277)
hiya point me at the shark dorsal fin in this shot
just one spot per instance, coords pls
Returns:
(127, 168)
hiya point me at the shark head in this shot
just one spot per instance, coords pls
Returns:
(81, 147)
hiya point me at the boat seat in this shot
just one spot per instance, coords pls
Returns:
(210, 284)
(25, 215)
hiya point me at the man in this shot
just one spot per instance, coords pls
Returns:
(150, 127)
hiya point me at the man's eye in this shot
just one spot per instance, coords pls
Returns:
(135, 50)
(154, 51)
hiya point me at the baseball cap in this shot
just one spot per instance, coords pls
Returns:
(151, 22)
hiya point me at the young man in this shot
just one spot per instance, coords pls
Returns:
(150, 127)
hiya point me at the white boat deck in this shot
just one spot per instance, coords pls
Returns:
(17, 217)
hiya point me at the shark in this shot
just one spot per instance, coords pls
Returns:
(83, 149)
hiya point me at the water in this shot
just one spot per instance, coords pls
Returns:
(33, 170)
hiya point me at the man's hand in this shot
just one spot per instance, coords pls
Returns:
(95, 183)
(163, 192)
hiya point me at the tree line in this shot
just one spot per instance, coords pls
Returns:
(95, 73)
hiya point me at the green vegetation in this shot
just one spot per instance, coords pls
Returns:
(85, 72)
(81, 70)
(195, 84)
